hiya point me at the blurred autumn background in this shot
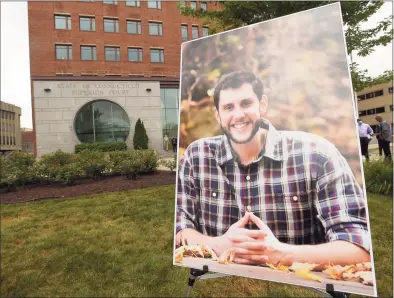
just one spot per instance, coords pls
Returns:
(301, 60)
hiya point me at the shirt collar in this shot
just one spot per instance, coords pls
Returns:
(273, 148)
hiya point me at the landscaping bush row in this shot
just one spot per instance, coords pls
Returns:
(22, 168)
(378, 176)
(104, 147)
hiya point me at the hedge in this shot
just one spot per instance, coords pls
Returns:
(378, 176)
(103, 147)
(66, 168)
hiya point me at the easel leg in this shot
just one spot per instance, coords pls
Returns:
(334, 294)
(194, 274)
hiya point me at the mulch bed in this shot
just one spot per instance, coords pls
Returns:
(85, 187)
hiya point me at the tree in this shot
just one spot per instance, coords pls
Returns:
(140, 139)
(230, 15)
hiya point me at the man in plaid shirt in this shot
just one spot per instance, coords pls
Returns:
(273, 196)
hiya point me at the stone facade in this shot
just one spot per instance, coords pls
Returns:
(55, 110)
(10, 127)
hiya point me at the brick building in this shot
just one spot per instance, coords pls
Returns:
(98, 66)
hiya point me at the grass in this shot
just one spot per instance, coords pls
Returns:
(120, 244)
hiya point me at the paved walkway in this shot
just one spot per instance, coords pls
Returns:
(166, 155)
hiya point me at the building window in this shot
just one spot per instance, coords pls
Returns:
(88, 53)
(111, 25)
(63, 22)
(193, 4)
(86, 0)
(157, 55)
(101, 121)
(380, 110)
(184, 29)
(205, 31)
(112, 53)
(13, 138)
(378, 93)
(12, 116)
(135, 54)
(182, 4)
(110, 2)
(155, 28)
(134, 27)
(169, 111)
(370, 111)
(391, 90)
(87, 24)
(154, 4)
(133, 3)
(361, 97)
(195, 32)
(362, 113)
(204, 6)
(369, 95)
(64, 52)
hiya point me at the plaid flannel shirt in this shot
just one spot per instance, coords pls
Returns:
(300, 186)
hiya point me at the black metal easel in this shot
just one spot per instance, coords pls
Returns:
(196, 274)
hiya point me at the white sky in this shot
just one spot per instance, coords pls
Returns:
(15, 68)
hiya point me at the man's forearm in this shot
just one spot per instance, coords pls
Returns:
(331, 253)
(191, 236)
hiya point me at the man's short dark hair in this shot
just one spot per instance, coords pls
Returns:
(235, 80)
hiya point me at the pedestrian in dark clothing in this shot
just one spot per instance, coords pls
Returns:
(174, 142)
(385, 136)
(380, 143)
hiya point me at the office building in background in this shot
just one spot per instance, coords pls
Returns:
(10, 128)
(376, 100)
(98, 66)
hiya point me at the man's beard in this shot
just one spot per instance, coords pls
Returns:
(251, 136)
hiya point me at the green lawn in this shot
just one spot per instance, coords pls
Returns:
(120, 244)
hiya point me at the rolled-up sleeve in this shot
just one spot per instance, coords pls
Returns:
(186, 196)
(340, 202)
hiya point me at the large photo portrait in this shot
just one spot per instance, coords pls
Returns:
(269, 176)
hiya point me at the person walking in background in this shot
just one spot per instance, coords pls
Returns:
(365, 132)
(385, 136)
(174, 144)
(166, 142)
(380, 143)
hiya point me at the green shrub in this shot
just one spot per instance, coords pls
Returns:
(140, 139)
(68, 173)
(18, 169)
(149, 160)
(103, 147)
(171, 164)
(7, 179)
(133, 162)
(56, 159)
(94, 163)
(378, 176)
(116, 158)
(59, 167)
(132, 165)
